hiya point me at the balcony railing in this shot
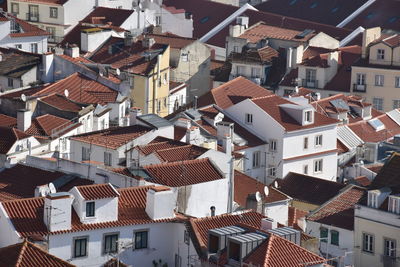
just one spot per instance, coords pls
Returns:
(359, 88)
(309, 84)
(32, 17)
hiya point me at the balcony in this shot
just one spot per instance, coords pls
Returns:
(309, 83)
(34, 17)
(359, 88)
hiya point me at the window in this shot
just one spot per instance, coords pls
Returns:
(212, 210)
(390, 247)
(272, 145)
(305, 143)
(240, 70)
(18, 46)
(34, 48)
(107, 159)
(178, 261)
(158, 105)
(10, 82)
(334, 237)
(158, 20)
(186, 237)
(305, 169)
(90, 208)
(165, 102)
(51, 31)
(85, 153)
(141, 239)
(255, 72)
(14, 8)
(323, 234)
(396, 104)
(110, 243)
(256, 159)
(271, 171)
(33, 14)
(394, 204)
(249, 118)
(397, 82)
(318, 140)
(379, 80)
(360, 79)
(80, 247)
(185, 57)
(53, 12)
(372, 199)
(236, 49)
(368, 243)
(308, 116)
(318, 166)
(377, 103)
(380, 54)
(311, 76)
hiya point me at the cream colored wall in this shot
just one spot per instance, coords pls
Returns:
(373, 52)
(396, 56)
(303, 205)
(388, 91)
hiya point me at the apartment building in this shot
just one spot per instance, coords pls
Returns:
(376, 76)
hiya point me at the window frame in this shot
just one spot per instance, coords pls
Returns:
(360, 77)
(320, 165)
(10, 82)
(75, 239)
(256, 159)
(51, 10)
(108, 235)
(135, 239)
(248, 118)
(377, 103)
(273, 145)
(36, 48)
(334, 241)
(396, 103)
(13, 9)
(394, 204)
(107, 158)
(379, 80)
(392, 251)
(308, 116)
(397, 82)
(380, 54)
(85, 153)
(305, 142)
(305, 169)
(271, 170)
(318, 140)
(322, 232)
(90, 209)
(371, 243)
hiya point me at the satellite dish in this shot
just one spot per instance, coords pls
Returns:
(276, 184)
(258, 196)
(118, 72)
(23, 97)
(266, 191)
(52, 188)
(66, 93)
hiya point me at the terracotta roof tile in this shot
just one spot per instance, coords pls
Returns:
(246, 185)
(8, 137)
(182, 173)
(49, 125)
(389, 175)
(97, 191)
(180, 153)
(308, 189)
(61, 102)
(27, 29)
(362, 181)
(14, 64)
(375, 167)
(341, 147)
(112, 138)
(7, 121)
(174, 41)
(159, 143)
(262, 55)
(26, 254)
(339, 211)
(232, 92)
(294, 215)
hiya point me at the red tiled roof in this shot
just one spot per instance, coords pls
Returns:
(182, 173)
(339, 211)
(375, 167)
(262, 55)
(14, 185)
(232, 92)
(294, 215)
(159, 143)
(290, 78)
(27, 29)
(17, 94)
(61, 102)
(27, 214)
(47, 2)
(308, 189)
(8, 137)
(97, 191)
(174, 41)
(112, 138)
(362, 181)
(44, 126)
(246, 185)
(7, 121)
(81, 90)
(270, 104)
(341, 147)
(320, 61)
(173, 10)
(180, 153)
(27, 254)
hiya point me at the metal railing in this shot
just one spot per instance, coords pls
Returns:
(359, 88)
(32, 17)
(309, 84)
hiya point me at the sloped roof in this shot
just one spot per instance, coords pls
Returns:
(159, 143)
(339, 211)
(61, 102)
(15, 65)
(47, 2)
(180, 153)
(8, 137)
(27, 254)
(173, 40)
(308, 189)
(47, 125)
(7, 121)
(26, 29)
(389, 175)
(262, 55)
(97, 191)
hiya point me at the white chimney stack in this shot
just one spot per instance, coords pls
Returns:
(24, 119)
(227, 144)
(57, 211)
(223, 129)
(72, 51)
(183, 123)
(193, 135)
(134, 112)
(268, 224)
(160, 203)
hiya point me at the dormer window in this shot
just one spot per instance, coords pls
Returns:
(394, 204)
(308, 116)
(90, 208)
(373, 200)
(249, 118)
(380, 54)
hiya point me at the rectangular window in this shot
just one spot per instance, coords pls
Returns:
(256, 159)
(308, 116)
(318, 140)
(396, 104)
(368, 243)
(107, 159)
(18, 46)
(397, 82)
(305, 143)
(33, 14)
(377, 103)
(272, 145)
(80, 247)
(271, 171)
(394, 204)
(311, 75)
(390, 247)
(360, 79)
(53, 12)
(90, 208)
(10, 82)
(323, 234)
(141, 239)
(334, 237)
(185, 57)
(379, 80)
(110, 243)
(318, 166)
(34, 48)
(158, 20)
(14, 8)
(85, 153)
(236, 49)
(305, 169)
(248, 118)
(255, 73)
(178, 261)
(372, 200)
(52, 33)
(380, 54)
(240, 70)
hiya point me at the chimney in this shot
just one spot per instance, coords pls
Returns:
(369, 35)
(223, 129)
(268, 224)
(24, 119)
(236, 30)
(160, 203)
(134, 112)
(72, 51)
(227, 144)
(129, 39)
(148, 42)
(183, 123)
(57, 211)
(193, 135)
